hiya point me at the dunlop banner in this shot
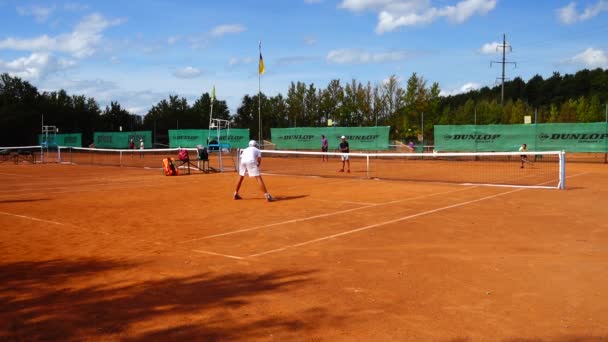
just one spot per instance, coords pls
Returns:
(234, 137)
(570, 137)
(187, 137)
(309, 138)
(120, 140)
(71, 139)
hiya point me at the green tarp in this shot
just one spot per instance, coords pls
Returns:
(121, 140)
(309, 138)
(70, 139)
(234, 137)
(570, 137)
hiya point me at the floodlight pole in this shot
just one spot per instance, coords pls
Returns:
(422, 127)
(210, 117)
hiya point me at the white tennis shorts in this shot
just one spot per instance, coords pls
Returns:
(252, 169)
(344, 157)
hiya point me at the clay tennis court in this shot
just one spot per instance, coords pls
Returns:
(109, 253)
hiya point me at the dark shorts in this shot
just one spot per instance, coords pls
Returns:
(323, 149)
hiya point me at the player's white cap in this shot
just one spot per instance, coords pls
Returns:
(252, 143)
(342, 137)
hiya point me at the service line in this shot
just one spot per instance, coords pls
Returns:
(397, 220)
(322, 215)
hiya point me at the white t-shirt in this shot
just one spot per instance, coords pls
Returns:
(523, 149)
(250, 155)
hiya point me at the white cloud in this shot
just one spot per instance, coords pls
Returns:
(81, 42)
(294, 60)
(310, 41)
(172, 40)
(569, 14)
(356, 56)
(75, 7)
(387, 80)
(105, 92)
(187, 72)
(393, 14)
(240, 61)
(490, 48)
(37, 66)
(222, 30)
(40, 13)
(591, 58)
(465, 88)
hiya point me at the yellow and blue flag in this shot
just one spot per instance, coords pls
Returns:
(261, 68)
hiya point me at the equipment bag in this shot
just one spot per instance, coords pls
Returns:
(169, 167)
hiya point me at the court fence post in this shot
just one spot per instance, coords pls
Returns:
(562, 170)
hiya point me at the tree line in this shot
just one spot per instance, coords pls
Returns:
(410, 110)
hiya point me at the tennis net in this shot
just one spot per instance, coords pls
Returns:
(148, 158)
(537, 169)
(29, 154)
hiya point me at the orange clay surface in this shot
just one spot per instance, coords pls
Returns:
(126, 254)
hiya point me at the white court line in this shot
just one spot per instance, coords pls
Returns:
(15, 174)
(397, 220)
(382, 223)
(106, 233)
(218, 254)
(511, 186)
(33, 218)
(321, 215)
(347, 202)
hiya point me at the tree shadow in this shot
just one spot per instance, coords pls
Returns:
(23, 200)
(47, 301)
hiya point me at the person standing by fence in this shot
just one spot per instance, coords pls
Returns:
(324, 148)
(344, 149)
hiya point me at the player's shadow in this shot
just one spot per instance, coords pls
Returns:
(100, 299)
(288, 198)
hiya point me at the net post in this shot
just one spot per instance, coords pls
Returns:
(562, 170)
(59, 154)
(367, 165)
(238, 160)
(120, 158)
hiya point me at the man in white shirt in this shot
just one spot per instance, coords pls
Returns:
(251, 158)
(524, 157)
(141, 148)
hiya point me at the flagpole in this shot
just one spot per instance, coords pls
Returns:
(260, 100)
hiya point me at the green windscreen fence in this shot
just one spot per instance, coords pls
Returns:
(234, 137)
(69, 139)
(570, 137)
(121, 140)
(309, 138)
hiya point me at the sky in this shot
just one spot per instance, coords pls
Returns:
(138, 52)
